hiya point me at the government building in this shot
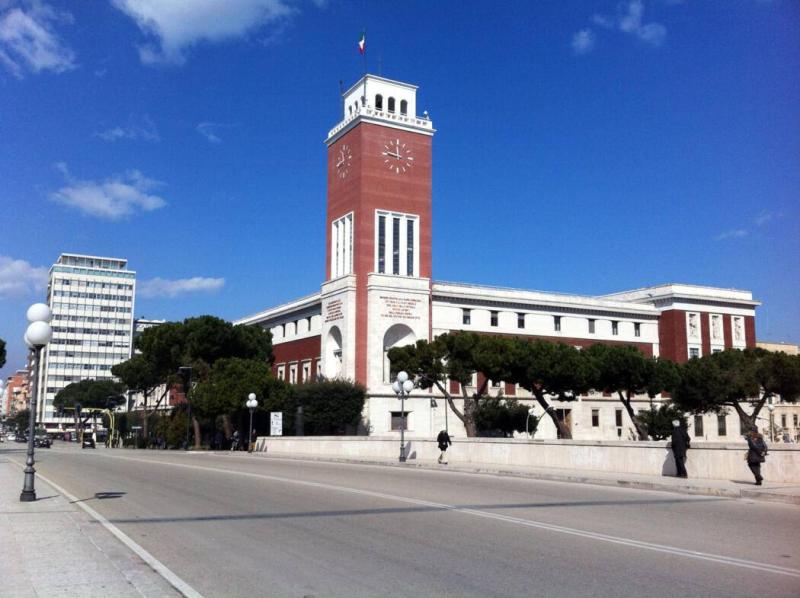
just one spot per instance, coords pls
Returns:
(379, 293)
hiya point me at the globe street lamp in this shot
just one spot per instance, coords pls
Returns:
(251, 405)
(37, 335)
(402, 386)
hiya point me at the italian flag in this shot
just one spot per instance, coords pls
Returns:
(362, 42)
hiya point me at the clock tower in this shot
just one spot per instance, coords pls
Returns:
(378, 252)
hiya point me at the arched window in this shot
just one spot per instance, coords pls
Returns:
(333, 353)
(398, 335)
(391, 104)
(403, 107)
(379, 102)
(351, 110)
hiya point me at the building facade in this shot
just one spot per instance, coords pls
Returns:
(92, 300)
(379, 292)
(16, 393)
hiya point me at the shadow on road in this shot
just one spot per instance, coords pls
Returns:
(101, 496)
(401, 510)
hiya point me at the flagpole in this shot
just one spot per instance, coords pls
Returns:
(364, 54)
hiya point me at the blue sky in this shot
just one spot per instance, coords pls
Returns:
(583, 147)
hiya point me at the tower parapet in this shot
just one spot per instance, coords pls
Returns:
(381, 101)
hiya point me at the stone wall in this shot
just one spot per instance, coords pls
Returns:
(710, 460)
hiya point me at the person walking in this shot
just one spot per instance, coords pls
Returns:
(680, 444)
(444, 441)
(235, 441)
(756, 453)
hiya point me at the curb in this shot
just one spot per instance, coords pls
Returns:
(757, 495)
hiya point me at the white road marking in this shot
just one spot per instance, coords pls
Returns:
(725, 560)
(157, 566)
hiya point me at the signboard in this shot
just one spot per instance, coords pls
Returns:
(276, 423)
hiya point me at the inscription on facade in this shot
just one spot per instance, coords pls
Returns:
(400, 307)
(333, 310)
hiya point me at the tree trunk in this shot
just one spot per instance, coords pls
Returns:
(749, 421)
(196, 425)
(641, 430)
(563, 431)
(226, 426)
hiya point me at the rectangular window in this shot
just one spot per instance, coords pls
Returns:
(520, 320)
(466, 317)
(493, 318)
(794, 419)
(306, 372)
(381, 244)
(618, 418)
(698, 425)
(409, 248)
(399, 420)
(595, 418)
(281, 372)
(591, 326)
(293, 374)
(743, 429)
(557, 323)
(614, 328)
(722, 426)
(783, 420)
(637, 329)
(395, 246)
(694, 352)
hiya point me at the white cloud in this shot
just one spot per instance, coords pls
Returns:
(112, 199)
(161, 287)
(630, 19)
(18, 278)
(583, 41)
(144, 130)
(178, 24)
(29, 42)
(763, 218)
(736, 233)
(207, 130)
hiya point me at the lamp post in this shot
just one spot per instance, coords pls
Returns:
(528, 419)
(251, 405)
(37, 335)
(771, 409)
(402, 386)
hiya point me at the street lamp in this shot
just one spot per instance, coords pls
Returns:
(251, 405)
(402, 386)
(528, 419)
(771, 409)
(37, 335)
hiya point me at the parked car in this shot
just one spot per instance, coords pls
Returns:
(21, 438)
(88, 441)
(42, 441)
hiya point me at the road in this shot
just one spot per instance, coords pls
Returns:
(243, 525)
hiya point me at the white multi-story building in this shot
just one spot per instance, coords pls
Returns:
(379, 292)
(92, 299)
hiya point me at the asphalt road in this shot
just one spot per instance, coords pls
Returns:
(242, 525)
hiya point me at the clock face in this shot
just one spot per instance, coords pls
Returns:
(344, 159)
(397, 156)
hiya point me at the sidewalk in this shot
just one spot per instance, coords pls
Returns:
(742, 488)
(51, 547)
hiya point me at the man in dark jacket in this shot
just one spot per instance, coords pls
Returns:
(680, 444)
(444, 441)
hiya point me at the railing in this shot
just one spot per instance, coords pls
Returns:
(424, 123)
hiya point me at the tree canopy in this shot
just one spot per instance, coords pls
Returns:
(2, 352)
(94, 394)
(738, 379)
(331, 406)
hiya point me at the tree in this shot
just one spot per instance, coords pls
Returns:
(738, 379)
(21, 420)
(330, 407)
(199, 343)
(501, 416)
(89, 394)
(139, 373)
(229, 382)
(624, 370)
(2, 352)
(458, 357)
(551, 369)
(658, 420)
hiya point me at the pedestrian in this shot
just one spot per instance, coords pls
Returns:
(235, 441)
(253, 438)
(756, 453)
(680, 444)
(444, 441)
